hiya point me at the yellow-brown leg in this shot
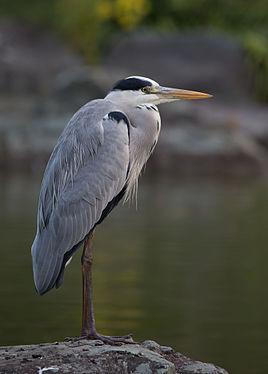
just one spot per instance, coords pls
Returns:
(88, 320)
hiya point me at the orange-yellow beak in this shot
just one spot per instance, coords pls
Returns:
(175, 93)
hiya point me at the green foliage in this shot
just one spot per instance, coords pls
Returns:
(257, 47)
(87, 24)
(238, 15)
(90, 25)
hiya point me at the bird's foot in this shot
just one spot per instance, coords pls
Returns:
(111, 340)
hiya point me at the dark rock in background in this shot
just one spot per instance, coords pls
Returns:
(42, 83)
(30, 59)
(196, 60)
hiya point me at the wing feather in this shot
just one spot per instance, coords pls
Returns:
(87, 170)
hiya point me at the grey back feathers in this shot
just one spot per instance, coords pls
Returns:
(96, 161)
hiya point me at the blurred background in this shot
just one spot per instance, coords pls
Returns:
(188, 268)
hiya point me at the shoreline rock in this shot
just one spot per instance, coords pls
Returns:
(94, 357)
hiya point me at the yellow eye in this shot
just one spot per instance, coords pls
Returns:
(145, 89)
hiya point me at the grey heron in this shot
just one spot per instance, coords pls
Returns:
(95, 163)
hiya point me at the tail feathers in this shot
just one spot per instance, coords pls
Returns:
(47, 264)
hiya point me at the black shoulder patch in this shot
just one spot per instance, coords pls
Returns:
(118, 116)
(133, 84)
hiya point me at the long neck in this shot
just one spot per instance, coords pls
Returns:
(145, 124)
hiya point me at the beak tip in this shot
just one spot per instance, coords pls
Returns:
(204, 96)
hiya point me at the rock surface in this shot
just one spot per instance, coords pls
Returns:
(94, 357)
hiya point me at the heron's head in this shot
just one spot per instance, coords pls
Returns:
(141, 90)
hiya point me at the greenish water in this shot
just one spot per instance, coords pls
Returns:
(187, 269)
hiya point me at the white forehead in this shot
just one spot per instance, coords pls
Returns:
(154, 83)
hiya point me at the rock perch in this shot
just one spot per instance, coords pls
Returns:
(94, 357)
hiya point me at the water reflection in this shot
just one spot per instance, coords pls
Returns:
(188, 269)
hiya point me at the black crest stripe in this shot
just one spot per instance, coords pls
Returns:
(131, 84)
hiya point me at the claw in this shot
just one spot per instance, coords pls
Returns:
(112, 340)
(129, 336)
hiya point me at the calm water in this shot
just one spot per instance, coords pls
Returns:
(188, 269)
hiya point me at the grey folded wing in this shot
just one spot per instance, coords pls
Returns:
(86, 173)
